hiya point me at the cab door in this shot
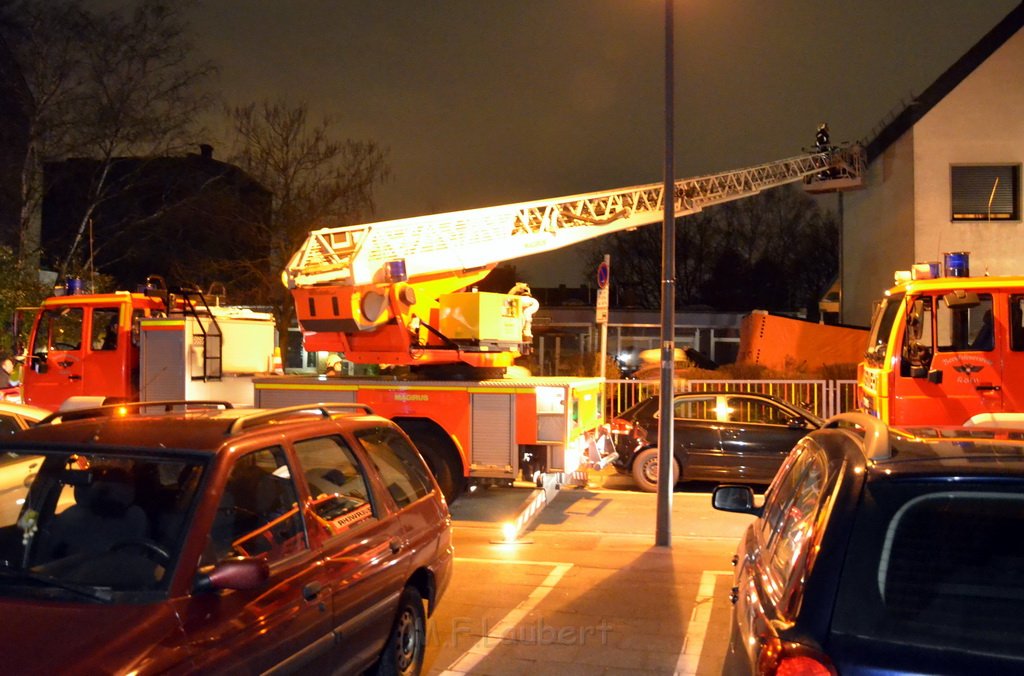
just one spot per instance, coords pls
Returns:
(55, 369)
(950, 367)
(105, 369)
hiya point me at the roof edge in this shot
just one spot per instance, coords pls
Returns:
(946, 82)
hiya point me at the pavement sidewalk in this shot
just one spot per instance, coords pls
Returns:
(587, 591)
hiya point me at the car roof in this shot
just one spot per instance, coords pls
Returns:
(200, 429)
(26, 411)
(952, 450)
(934, 450)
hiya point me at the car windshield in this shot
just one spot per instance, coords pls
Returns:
(936, 564)
(96, 525)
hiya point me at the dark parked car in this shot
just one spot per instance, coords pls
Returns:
(217, 540)
(719, 436)
(883, 551)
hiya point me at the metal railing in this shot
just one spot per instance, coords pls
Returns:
(822, 397)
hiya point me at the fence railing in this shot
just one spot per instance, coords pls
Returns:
(822, 397)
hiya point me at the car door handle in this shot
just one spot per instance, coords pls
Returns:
(74, 377)
(312, 590)
(987, 387)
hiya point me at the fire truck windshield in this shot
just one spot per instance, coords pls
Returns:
(882, 327)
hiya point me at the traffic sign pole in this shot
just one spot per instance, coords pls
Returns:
(603, 279)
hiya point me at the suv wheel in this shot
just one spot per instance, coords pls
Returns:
(645, 470)
(403, 653)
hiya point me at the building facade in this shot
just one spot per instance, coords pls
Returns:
(943, 176)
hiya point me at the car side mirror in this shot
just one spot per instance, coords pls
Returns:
(735, 499)
(235, 573)
(935, 376)
(38, 362)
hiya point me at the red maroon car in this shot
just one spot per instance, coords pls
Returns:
(215, 540)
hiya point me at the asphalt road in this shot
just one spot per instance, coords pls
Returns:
(585, 590)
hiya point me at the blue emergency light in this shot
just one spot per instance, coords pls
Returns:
(956, 263)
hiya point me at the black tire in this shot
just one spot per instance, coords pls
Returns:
(443, 461)
(645, 470)
(407, 643)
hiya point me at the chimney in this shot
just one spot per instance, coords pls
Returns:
(206, 151)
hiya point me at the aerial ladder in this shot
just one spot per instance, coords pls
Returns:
(392, 292)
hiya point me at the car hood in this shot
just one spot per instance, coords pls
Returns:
(48, 637)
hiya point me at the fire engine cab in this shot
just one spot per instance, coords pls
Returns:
(151, 344)
(943, 349)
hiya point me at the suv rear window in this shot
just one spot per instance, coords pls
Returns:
(932, 566)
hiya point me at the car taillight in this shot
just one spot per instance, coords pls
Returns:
(780, 658)
(620, 426)
(802, 665)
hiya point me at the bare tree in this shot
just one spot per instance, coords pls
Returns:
(317, 180)
(101, 85)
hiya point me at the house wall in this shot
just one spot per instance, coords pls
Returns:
(980, 122)
(878, 230)
(904, 214)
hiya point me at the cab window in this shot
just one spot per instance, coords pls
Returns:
(399, 463)
(918, 348)
(965, 329)
(1017, 323)
(337, 483)
(103, 334)
(258, 512)
(882, 326)
(59, 329)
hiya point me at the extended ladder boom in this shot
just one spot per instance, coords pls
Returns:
(392, 292)
(464, 240)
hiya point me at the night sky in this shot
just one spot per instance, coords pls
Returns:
(484, 102)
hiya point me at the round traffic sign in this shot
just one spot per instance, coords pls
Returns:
(602, 275)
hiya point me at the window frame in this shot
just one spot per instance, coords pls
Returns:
(280, 457)
(418, 474)
(369, 511)
(967, 189)
(784, 588)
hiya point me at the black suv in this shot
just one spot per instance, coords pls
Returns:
(883, 550)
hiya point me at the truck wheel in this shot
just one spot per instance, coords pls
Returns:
(443, 461)
(645, 470)
(407, 643)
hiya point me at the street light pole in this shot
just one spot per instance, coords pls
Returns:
(663, 529)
